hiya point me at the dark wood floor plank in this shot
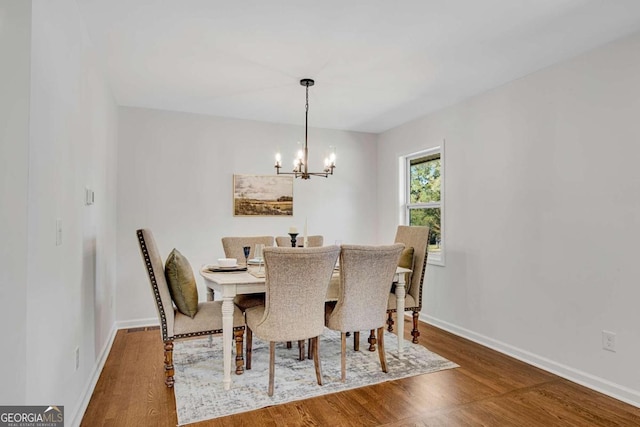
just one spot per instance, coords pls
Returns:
(489, 389)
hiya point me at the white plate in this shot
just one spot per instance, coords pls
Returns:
(254, 261)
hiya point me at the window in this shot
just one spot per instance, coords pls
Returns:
(424, 197)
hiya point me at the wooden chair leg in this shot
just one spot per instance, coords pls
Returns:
(239, 336)
(316, 360)
(372, 340)
(356, 341)
(288, 344)
(168, 364)
(390, 321)
(272, 365)
(301, 349)
(415, 333)
(383, 357)
(343, 356)
(249, 347)
(310, 350)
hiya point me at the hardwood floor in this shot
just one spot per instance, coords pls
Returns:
(489, 389)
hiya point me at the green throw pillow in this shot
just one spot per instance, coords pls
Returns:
(406, 261)
(182, 284)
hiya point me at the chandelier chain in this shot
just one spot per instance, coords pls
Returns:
(306, 106)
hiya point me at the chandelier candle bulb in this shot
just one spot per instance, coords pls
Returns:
(278, 160)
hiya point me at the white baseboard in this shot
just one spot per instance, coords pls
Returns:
(137, 323)
(76, 417)
(593, 382)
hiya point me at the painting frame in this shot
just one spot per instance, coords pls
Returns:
(262, 195)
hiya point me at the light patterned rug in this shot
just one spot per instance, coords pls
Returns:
(198, 374)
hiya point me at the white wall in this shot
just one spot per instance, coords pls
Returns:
(542, 216)
(175, 174)
(73, 133)
(15, 40)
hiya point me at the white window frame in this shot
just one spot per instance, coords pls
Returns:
(434, 258)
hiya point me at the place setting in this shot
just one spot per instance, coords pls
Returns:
(226, 265)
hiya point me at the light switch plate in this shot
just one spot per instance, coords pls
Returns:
(89, 197)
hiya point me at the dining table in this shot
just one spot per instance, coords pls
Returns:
(228, 284)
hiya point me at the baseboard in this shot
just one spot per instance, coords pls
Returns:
(593, 382)
(76, 417)
(137, 323)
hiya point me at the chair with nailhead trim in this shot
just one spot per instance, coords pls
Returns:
(176, 326)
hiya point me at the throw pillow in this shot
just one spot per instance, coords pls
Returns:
(406, 261)
(182, 283)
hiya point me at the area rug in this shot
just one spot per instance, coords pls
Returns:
(198, 374)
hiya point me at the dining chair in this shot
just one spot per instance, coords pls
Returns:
(175, 325)
(366, 274)
(313, 241)
(233, 249)
(296, 283)
(416, 237)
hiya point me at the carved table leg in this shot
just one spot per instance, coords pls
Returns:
(227, 339)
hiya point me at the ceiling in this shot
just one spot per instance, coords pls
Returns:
(377, 63)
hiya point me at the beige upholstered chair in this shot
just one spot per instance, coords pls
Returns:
(296, 284)
(415, 237)
(233, 245)
(313, 242)
(233, 249)
(175, 325)
(285, 241)
(366, 274)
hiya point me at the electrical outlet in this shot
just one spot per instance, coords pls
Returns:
(609, 341)
(77, 358)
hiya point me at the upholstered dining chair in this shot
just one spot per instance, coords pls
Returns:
(313, 241)
(174, 325)
(296, 283)
(416, 237)
(366, 274)
(233, 249)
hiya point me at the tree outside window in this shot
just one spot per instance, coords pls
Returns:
(424, 196)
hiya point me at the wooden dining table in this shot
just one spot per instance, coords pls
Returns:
(230, 284)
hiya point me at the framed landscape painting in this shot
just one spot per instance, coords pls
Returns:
(262, 195)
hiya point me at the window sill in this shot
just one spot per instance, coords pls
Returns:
(434, 259)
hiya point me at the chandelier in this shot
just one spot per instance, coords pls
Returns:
(301, 162)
